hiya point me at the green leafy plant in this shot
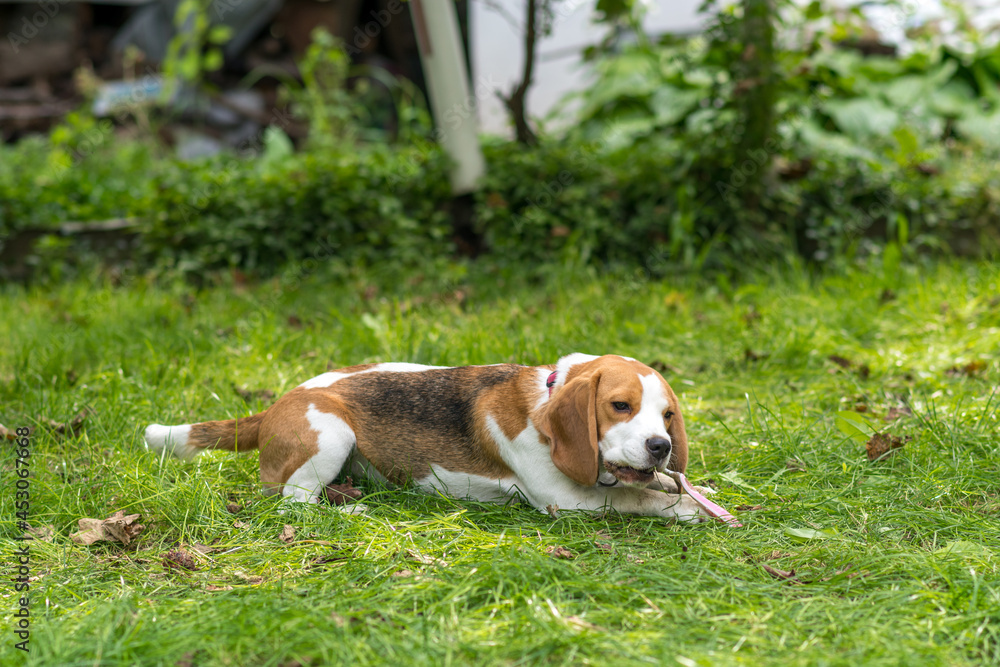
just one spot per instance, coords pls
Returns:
(324, 98)
(356, 204)
(195, 47)
(872, 156)
(347, 103)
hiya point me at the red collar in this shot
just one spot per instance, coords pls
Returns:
(551, 381)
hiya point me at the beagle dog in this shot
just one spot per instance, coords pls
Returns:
(587, 433)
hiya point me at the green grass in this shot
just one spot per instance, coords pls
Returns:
(876, 581)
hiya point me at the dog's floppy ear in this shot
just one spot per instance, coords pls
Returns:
(678, 437)
(569, 421)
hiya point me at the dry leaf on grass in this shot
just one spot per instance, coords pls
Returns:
(560, 552)
(341, 494)
(882, 444)
(233, 508)
(403, 573)
(116, 528)
(287, 534)
(179, 559)
(7, 434)
(748, 508)
(242, 525)
(213, 587)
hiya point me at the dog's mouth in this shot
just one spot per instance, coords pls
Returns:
(630, 475)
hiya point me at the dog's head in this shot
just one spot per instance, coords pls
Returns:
(612, 418)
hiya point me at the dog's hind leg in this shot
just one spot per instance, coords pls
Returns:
(306, 481)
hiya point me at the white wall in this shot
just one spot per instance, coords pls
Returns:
(497, 46)
(497, 51)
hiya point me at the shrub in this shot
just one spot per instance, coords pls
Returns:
(660, 209)
(366, 205)
(79, 174)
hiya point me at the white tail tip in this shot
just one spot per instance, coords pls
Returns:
(172, 439)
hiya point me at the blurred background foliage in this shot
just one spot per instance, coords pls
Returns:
(772, 134)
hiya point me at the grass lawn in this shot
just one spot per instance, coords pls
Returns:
(886, 562)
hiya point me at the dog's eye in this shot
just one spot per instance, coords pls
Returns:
(620, 406)
(667, 415)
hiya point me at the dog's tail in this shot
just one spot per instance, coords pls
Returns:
(188, 440)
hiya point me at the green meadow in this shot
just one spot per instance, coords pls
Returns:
(783, 375)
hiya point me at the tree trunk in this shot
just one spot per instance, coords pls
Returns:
(757, 87)
(517, 100)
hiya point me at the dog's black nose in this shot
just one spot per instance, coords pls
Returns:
(658, 447)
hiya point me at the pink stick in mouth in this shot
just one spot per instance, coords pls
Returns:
(713, 509)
